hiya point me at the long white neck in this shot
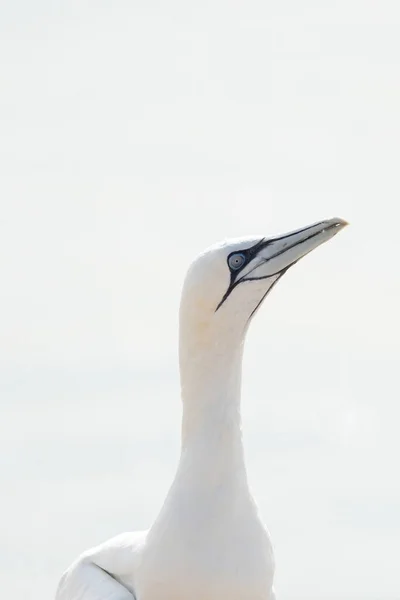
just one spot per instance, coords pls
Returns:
(212, 447)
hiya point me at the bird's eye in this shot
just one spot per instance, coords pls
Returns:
(236, 261)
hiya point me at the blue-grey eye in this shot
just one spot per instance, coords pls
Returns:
(236, 261)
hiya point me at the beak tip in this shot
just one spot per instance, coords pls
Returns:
(337, 223)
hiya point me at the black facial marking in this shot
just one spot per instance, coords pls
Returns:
(269, 289)
(250, 253)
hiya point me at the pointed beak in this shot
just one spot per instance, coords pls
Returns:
(276, 255)
(270, 258)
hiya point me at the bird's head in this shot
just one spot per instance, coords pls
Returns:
(228, 282)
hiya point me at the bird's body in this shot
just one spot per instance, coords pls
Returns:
(208, 542)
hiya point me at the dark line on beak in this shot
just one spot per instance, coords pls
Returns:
(263, 243)
(309, 237)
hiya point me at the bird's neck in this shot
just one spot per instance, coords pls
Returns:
(210, 485)
(212, 446)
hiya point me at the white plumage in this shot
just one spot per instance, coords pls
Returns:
(208, 542)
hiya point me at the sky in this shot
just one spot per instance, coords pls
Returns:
(133, 135)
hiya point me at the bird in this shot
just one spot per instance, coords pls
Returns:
(208, 541)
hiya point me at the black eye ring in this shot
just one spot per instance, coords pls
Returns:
(236, 261)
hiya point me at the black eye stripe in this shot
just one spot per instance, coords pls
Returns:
(248, 253)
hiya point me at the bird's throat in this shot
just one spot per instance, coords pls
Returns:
(212, 446)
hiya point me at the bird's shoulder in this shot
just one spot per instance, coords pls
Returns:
(104, 570)
(117, 552)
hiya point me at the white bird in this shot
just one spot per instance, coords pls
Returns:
(208, 542)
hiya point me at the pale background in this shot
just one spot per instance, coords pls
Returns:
(134, 134)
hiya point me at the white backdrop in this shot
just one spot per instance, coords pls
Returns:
(134, 134)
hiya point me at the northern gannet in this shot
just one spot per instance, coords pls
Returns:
(208, 542)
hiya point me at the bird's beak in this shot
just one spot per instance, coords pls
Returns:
(270, 258)
(276, 255)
